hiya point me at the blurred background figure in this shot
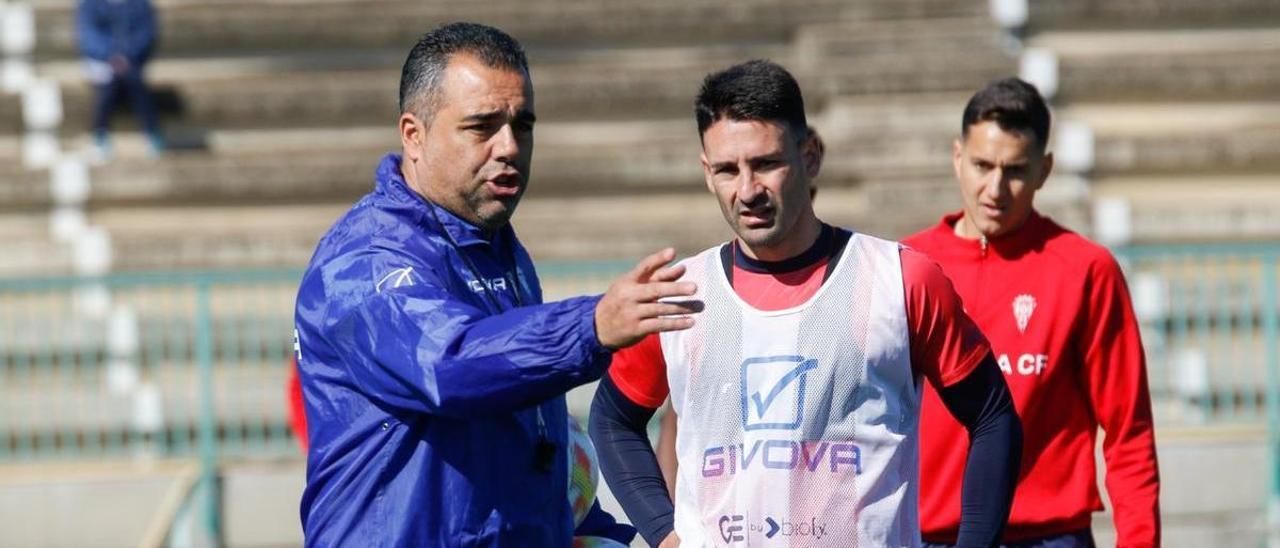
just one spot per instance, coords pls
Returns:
(117, 38)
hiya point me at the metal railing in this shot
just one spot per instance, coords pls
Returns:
(1209, 325)
(147, 363)
(1210, 321)
(188, 365)
(194, 364)
(152, 364)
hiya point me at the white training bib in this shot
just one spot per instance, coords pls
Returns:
(798, 427)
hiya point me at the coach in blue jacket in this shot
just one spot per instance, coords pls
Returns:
(434, 377)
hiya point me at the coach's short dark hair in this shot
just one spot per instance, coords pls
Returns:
(1012, 104)
(755, 90)
(424, 69)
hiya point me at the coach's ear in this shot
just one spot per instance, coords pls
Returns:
(413, 134)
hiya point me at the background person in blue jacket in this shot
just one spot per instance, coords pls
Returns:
(433, 375)
(116, 39)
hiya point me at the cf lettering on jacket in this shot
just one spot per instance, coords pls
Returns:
(1026, 364)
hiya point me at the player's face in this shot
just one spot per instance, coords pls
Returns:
(999, 173)
(473, 156)
(759, 172)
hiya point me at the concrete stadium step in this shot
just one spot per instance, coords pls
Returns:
(160, 238)
(1133, 14)
(201, 28)
(914, 55)
(1150, 66)
(560, 228)
(1182, 138)
(336, 164)
(317, 91)
(1197, 207)
(292, 166)
(69, 504)
(847, 41)
(608, 85)
(574, 228)
(556, 228)
(10, 121)
(597, 228)
(28, 248)
(23, 190)
(83, 413)
(10, 150)
(897, 208)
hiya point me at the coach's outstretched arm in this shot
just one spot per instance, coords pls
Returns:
(982, 403)
(416, 347)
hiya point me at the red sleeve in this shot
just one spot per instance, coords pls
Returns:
(297, 411)
(1115, 374)
(945, 344)
(640, 372)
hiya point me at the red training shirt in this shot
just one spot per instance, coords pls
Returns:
(1057, 312)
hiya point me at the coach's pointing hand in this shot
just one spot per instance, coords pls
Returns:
(631, 309)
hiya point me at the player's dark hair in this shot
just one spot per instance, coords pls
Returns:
(1012, 104)
(757, 90)
(424, 69)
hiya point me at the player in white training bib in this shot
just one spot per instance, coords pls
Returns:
(797, 392)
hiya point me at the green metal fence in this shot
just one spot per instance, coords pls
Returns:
(162, 364)
(194, 364)
(152, 364)
(165, 365)
(157, 363)
(1210, 319)
(1209, 325)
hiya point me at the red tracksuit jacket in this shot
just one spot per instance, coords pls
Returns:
(1057, 313)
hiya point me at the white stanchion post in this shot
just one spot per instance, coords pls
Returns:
(1039, 66)
(15, 75)
(1112, 221)
(122, 350)
(1073, 147)
(67, 223)
(17, 29)
(69, 182)
(91, 257)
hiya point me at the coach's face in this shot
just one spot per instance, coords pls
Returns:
(759, 172)
(999, 173)
(472, 157)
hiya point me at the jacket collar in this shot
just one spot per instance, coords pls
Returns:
(390, 182)
(1024, 238)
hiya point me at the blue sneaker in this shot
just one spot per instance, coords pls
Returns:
(102, 145)
(157, 144)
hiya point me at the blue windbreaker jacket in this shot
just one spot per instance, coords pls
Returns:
(421, 396)
(126, 27)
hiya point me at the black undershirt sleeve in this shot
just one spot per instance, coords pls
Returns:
(982, 403)
(618, 428)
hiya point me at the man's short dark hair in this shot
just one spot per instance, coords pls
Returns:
(424, 69)
(1012, 104)
(757, 90)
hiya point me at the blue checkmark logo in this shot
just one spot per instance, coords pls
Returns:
(767, 381)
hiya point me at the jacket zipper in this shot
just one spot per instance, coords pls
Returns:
(982, 267)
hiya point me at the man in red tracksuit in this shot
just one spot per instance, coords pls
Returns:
(1058, 315)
